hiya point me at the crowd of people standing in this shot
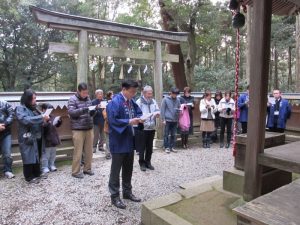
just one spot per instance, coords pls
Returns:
(121, 123)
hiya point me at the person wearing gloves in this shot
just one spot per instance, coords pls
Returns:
(81, 113)
(226, 108)
(207, 109)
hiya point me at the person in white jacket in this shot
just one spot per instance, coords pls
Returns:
(226, 108)
(207, 109)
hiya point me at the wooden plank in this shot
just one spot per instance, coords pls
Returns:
(280, 207)
(259, 71)
(55, 47)
(72, 22)
(285, 157)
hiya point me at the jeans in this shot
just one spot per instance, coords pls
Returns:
(169, 135)
(48, 158)
(5, 147)
(120, 161)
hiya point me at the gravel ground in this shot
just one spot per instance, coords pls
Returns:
(62, 199)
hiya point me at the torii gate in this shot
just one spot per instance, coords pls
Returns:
(84, 26)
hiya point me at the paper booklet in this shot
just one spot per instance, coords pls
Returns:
(48, 112)
(92, 107)
(55, 121)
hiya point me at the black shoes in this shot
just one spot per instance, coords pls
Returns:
(227, 145)
(149, 166)
(131, 197)
(221, 145)
(143, 167)
(116, 201)
(89, 172)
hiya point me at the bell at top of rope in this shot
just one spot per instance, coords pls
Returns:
(238, 20)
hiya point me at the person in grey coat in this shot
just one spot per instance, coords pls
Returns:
(170, 108)
(6, 119)
(30, 139)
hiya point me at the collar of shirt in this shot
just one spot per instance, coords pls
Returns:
(124, 97)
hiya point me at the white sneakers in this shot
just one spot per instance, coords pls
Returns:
(9, 175)
(167, 150)
(53, 168)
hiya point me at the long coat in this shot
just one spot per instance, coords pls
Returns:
(29, 123)
(120, 132)
(284, 114)
(243, 107)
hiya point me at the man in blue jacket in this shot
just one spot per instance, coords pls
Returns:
(243, 105)
(278, 113)
(123, 115)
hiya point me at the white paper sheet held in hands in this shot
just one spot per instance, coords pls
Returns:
(146, 116)
(103, 104)
(55, 121)
(92, 107)
(48, 112)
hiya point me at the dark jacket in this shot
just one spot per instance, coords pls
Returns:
(81, 117)
(50, 133)
(120, 132)
(6, 118)
(98, 118)
(32, 123)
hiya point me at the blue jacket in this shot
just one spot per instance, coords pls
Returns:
(284, 114)
(243, 107)
(120, 132)
(98, 118)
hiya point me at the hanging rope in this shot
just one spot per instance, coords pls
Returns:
(236, 89)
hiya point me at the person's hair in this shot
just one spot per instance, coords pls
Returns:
(27, 97)
(187, 90)
(277, 90)
(174, 90)
(45, 106)
(227, 93)
(109, 94)
(98, 91)
(82, 87)
(207, 93)
(147, 88)
(219, 93)
(129, 84)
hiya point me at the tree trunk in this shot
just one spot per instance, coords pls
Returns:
(190, 62)
(276, 82)
(290, 80)
(298, 54)
(178, 68)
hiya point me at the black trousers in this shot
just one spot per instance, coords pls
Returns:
(226, 122)
(144, 145)
(120, 161)
(277, 130)
(206, 136)
(31, 171)
(244, 127)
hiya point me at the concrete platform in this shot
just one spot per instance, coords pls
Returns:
(202, 202)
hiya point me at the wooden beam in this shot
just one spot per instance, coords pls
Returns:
(259, 72)
(83, 57)
(158, 83)
(72, 22)
(113, 52)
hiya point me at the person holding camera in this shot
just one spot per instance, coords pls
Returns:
(226, 108)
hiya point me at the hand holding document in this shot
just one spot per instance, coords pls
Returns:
(56, 120)
(48, 112)
(103, 104)
(146, 116)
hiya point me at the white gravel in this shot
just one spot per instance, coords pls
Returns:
(62, 199)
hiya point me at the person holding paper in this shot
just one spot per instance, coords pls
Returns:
(278, 113)
(189, 101)
(243, 105)
(82, 129)
(52, 140)
(30, 138)
(226, 108)
(99, 138)
(123, 113)
(144, 138)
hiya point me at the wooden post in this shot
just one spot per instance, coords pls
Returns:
(249, 22)
(259, 71)
(83, 57)
(158, 82)
(298, 54)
